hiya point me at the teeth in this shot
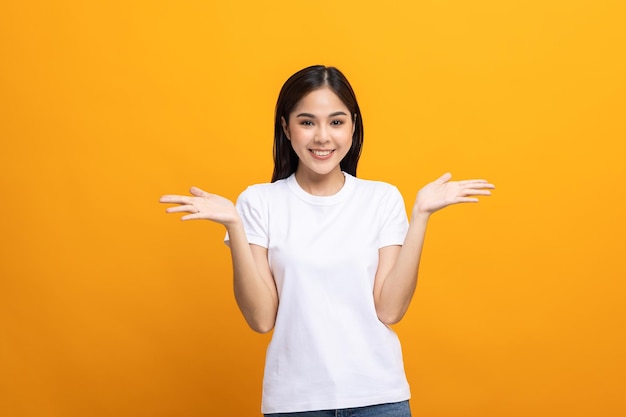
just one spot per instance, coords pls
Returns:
(321, 153)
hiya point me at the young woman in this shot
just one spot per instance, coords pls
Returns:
(326, 260)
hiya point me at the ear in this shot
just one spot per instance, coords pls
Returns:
(283, 123)
(353, 124)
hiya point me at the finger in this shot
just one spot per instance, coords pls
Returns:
(180, 209)
(175, 199)
(475, 192)
(466, 200)
(193, 216)
(198, 192)
(473, 181)
(476, 184)
(444, 178)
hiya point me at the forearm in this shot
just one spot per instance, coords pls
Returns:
(401, 280)
(254, 286)
(254, 290)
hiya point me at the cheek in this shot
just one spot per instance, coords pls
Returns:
(348, 133)
(300, 135)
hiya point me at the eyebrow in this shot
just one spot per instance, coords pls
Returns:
(312, 116)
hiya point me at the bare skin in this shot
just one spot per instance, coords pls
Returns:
(396, 277)
(320, 131)
(255, 290)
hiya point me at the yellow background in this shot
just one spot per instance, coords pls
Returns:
(110, 307)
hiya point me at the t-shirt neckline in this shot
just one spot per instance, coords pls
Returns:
(325, 200)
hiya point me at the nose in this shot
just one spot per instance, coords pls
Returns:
(322, 135)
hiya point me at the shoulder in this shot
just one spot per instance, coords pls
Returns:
(262, 191)
(381, 196)
(375, 188)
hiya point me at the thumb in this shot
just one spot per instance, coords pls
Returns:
(444, 178)
(198, 192)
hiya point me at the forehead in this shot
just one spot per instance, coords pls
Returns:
(322, 100)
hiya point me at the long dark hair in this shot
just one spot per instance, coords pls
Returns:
(297, 86)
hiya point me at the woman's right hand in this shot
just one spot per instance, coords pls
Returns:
(202, 205)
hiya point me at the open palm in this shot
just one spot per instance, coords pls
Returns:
(202, 206)
(443, 192)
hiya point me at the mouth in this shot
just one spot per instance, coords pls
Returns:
(322, 153)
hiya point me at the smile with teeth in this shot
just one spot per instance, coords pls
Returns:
(322, 153)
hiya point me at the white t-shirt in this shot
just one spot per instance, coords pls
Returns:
(328, 350)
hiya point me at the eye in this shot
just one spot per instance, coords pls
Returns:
(336, 122)
(306, 123)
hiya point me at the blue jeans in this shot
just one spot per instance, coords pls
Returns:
(400, 409)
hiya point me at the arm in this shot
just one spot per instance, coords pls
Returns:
(396, 277)
(253, 283)
(255, 290)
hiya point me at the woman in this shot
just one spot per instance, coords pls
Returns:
(326, 260)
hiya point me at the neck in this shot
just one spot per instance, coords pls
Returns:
(321, 185)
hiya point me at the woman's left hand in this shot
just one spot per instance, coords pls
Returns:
(443, 192)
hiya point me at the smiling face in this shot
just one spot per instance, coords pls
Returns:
(320, 130)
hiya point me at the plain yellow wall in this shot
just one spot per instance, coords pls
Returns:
(110, 307)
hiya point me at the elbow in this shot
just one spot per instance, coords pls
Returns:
(261, 326)
(260, 318)
(390, 317)
(262, 329)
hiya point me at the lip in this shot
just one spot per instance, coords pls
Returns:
(322, 157)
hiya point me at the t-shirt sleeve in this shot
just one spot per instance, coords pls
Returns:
(254, 218)
(395, 223)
